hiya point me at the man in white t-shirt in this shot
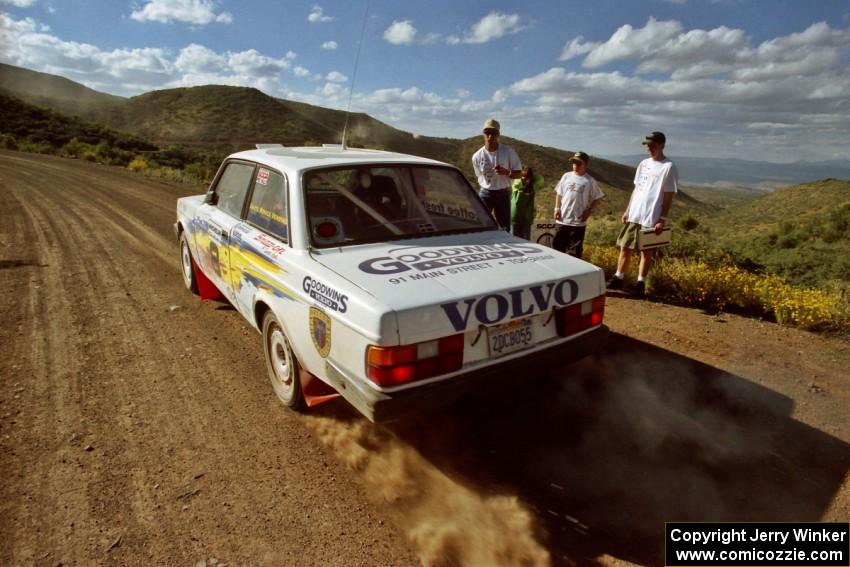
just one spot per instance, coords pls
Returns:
(576, 195)
(656, 182)
(495, 166)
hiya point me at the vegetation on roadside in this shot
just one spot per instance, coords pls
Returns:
(30, 128)
(712, 280)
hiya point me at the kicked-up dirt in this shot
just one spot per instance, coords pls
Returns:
(137, 425)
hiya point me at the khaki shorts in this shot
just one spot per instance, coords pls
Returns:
(629, 236)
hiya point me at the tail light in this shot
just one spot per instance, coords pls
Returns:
(393, 366)
(580, 316)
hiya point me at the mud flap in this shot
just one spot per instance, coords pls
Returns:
(206, 289)
(315, 390)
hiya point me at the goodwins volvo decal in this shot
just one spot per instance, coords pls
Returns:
(325, 294)
(425, 259)
(496, 307)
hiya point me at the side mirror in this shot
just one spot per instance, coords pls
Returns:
(210, 198)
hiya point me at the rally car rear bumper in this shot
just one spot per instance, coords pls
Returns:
(383, 406)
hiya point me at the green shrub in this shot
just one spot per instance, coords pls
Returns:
(8, 142)
(28, 145)
(687, 221)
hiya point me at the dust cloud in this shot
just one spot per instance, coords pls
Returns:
(448, 523)
(655, 439)
(587, 461)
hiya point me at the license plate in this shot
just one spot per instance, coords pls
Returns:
(511, 337)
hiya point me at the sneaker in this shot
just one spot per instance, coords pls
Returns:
(615, 283)
(640, 289)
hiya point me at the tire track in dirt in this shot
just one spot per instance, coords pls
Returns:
(174, 470)
(54, 393)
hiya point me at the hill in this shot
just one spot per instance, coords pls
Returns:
(221, 119)
(53, 91)
(801, 232)
(226, 119)
(794, 204)
(29, 127)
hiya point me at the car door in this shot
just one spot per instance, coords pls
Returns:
(258, 244)
(223, 212)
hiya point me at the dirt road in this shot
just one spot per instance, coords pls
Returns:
(137, 426)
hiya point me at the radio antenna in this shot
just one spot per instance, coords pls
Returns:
(354, 74)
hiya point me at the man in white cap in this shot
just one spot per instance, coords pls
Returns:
(656, 182)
(495, 166)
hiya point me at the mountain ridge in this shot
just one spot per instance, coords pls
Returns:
(223, 119)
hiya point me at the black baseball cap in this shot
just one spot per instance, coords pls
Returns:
(655, 138)
(580, 156)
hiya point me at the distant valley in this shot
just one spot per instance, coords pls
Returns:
(756, 175)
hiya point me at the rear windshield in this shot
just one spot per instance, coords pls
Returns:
(355, 205)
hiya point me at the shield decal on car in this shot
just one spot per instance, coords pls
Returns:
(320, 331)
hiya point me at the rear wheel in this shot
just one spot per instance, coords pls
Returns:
(281, 364)
(187, 265)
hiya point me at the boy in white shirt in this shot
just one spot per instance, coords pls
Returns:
(576, 195)
(656, 182)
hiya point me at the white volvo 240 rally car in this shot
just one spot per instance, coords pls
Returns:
(382, 278)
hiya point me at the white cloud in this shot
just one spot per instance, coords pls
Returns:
(664, 47)
(11, 28)
(336, 77)
(400, 33)
(196, 12)
(252, 63)
(19, 3)
(492, 26)
(330, 45)
(317, 15)
(630, 43)
(333, 91)
(707, 84)
(131, 71)
(196, 58)
(577, 47)
(300, 71)
(27, 44)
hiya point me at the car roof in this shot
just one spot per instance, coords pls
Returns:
(302, 158)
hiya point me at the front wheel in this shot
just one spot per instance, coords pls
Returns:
(281, 364)
(187, 265)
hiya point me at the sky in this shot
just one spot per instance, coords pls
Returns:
(746, 79)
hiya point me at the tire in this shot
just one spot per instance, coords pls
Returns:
(281, 364)
(187, 266)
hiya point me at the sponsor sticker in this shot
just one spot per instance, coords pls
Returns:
(262, 176)
(427, 259)
(325, 294)
(320, 331)
(543, 232)
(269, 247)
